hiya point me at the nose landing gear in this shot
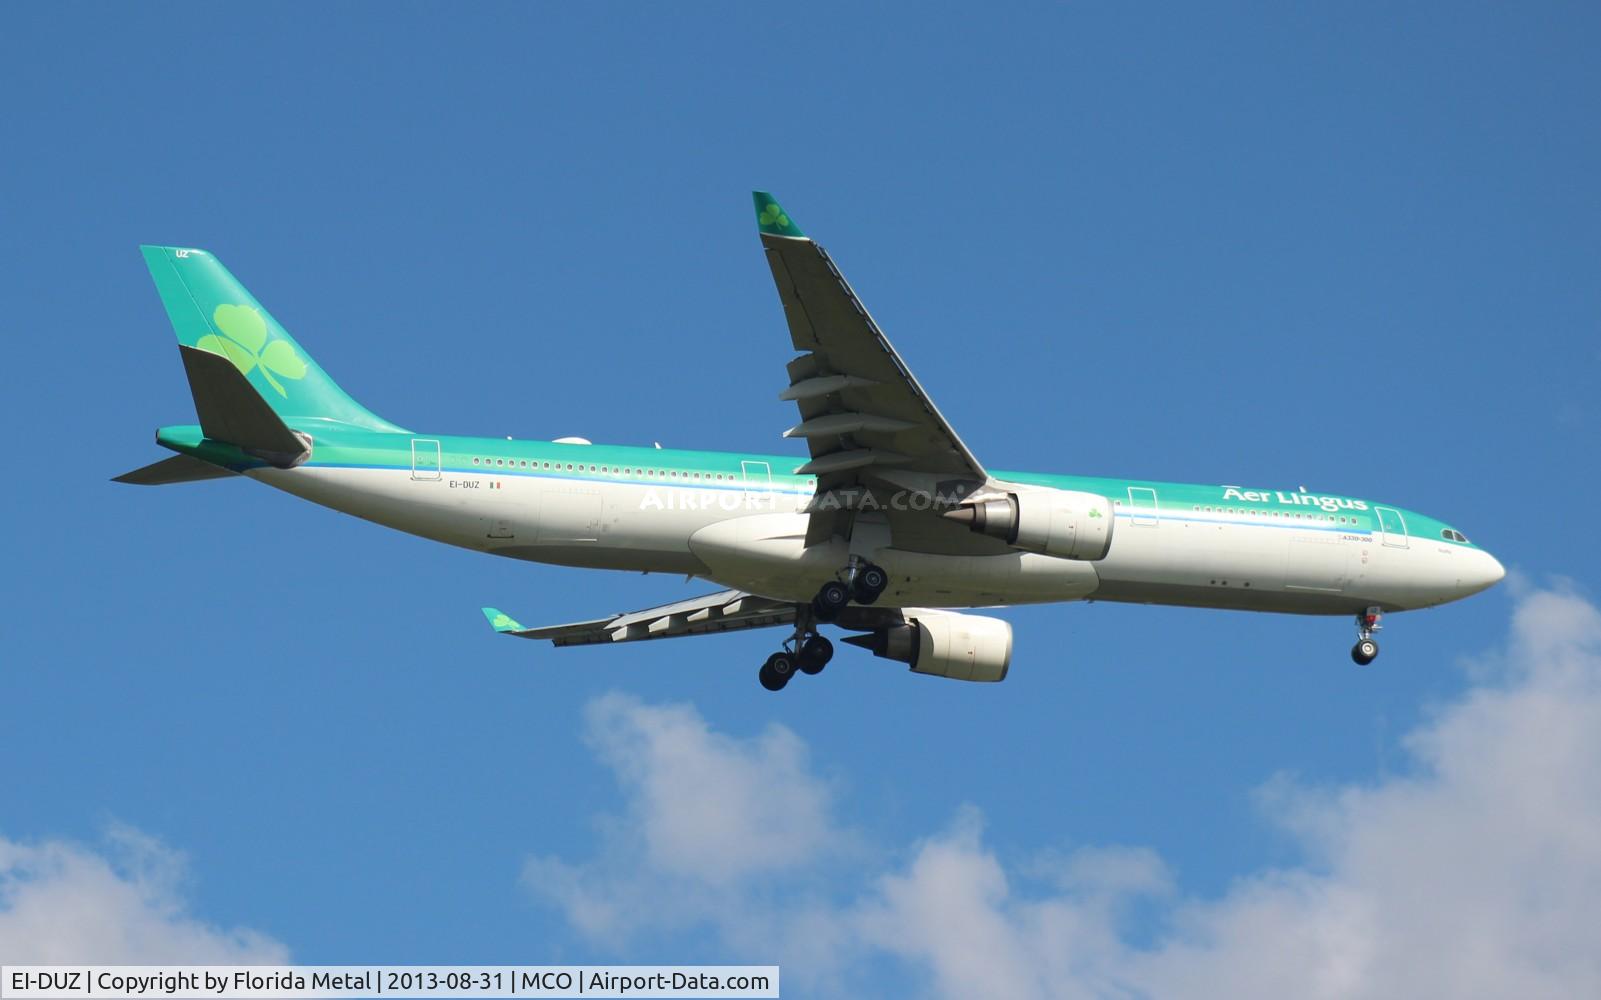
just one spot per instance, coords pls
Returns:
(1366, 650)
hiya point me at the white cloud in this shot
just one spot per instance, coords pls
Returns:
(710, 820)
(1477, 875)
(711, 807)
(1474, 873)
(61, 903)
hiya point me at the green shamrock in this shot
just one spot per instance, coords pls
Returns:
(1095, 512)
(505, 621)
(772, 215)
(244, 342)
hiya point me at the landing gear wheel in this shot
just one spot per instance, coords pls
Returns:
(869, 584)
(777, 671)
(814, 654)
(1366, 650)
(830, 600)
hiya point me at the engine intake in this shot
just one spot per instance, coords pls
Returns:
(1061, 523)
(945, 644)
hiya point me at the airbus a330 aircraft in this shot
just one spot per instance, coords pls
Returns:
(890, 522)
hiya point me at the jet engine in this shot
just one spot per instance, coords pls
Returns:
(945, 644)
(1061, 523)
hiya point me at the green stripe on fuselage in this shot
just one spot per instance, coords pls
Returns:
(342, 448)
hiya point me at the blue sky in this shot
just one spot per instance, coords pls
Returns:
(1345, 247)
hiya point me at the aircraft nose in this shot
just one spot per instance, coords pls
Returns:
(1482, 572)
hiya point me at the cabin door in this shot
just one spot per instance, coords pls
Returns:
(1142, 504)
(1392, 527)
(758, 478)
(424, 459)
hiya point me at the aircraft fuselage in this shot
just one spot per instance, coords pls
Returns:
(739, 520)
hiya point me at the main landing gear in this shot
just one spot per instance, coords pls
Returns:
(864, 583)
(806, 651)
(1366, 650)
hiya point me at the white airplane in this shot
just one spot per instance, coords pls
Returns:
(888, 523)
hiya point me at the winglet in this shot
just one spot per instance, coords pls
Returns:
(500, 621)
(772, 219)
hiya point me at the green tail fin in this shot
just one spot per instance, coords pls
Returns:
(211, 311)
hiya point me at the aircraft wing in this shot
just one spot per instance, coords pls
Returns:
(863, 414)
(724, 611)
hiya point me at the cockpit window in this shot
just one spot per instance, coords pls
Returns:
(1453, 535)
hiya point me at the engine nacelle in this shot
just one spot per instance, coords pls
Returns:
(1062, 523)
(945, 644)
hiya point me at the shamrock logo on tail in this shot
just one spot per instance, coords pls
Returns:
(772, 215)
(243, 341)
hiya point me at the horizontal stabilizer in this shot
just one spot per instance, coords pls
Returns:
(177, 469)
(232, 411)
